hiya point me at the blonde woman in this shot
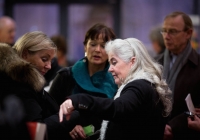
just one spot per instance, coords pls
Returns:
(21, 71)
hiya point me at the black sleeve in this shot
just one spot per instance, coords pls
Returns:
(62, 85)
(57, 130)
(12, 123)
(132, 100)
(34, 112)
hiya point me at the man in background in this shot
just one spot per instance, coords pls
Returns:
(7, 30)
(182, 72)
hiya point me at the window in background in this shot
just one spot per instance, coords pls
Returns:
(1, 7)
(140, 16)
(80, 19)
(36, 17)
(195, 35)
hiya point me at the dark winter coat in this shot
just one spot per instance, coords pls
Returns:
(135, 115)
(76, 79)
(20, 78)
(187, 81)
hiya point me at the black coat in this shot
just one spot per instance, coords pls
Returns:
(136, 114)
(14, 128)
(187, 81)
(21, 79)
(50, 75)
(62, 87)
(39, 106)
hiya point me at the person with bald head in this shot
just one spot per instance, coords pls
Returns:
(7, 30)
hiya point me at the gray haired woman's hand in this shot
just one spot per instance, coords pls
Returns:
(66, 108)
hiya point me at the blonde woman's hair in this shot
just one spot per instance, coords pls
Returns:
(33, 42)
(151, 70)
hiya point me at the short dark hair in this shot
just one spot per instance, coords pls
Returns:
(156, 36)
(60, 42)
(96, 30)
(187, 20)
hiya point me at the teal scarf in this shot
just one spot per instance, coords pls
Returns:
(100, 82)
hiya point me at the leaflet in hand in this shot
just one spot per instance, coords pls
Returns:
(189, 103)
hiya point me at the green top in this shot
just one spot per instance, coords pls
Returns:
(100, 82)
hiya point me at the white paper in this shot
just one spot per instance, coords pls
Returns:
(40, 131)
(189, 103)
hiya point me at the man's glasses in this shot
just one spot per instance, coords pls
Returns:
(170, 32)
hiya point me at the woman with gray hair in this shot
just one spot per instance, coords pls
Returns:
(142, 103)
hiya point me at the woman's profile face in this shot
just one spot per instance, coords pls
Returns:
(118, 68)
(40, 59)
(95, 51)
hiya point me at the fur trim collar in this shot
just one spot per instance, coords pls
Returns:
(18, 69)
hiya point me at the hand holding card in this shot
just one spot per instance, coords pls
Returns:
(190, 104)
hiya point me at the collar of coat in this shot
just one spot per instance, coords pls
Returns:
(18, 69)
(193, 57)
(100, 82)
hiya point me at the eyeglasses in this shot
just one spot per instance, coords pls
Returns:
(170, 32)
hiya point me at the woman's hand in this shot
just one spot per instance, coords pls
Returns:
(168, 133)
(78, 133)
(66, 108)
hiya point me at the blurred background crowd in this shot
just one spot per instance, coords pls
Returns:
(40, 24)
(72, 18)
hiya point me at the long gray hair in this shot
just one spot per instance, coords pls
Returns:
(144, 67)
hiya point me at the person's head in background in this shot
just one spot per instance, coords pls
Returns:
(157, 41)
(177, 31)
(7, 30)
(94, 44)
(62, 49)
(36, 48)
